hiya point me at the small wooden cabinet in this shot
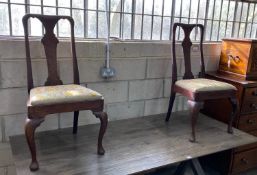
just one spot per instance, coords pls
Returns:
(245, 157)
(239, 56)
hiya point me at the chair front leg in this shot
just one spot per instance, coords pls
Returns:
(194, 108)
(104, 121)
(234, 104)
(75, 122)
(30, 127)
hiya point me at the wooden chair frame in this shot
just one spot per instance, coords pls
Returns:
(195, 100)
(36, 114)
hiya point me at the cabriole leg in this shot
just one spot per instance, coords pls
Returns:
(171, 102)
(30, 127)
(104, 121)
(234, 104)
(75, 122)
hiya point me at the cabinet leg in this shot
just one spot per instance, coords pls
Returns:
(234, 105)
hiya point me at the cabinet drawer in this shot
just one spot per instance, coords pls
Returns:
(248, 122)
(244, 161)
(250, 93)
(249, 106)
(249, 146)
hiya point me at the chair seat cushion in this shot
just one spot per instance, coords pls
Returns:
(203, 85)
(59, 94)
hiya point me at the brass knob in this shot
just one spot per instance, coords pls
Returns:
(253, 106)
(244, 161)
(250, 121)
(254, 93)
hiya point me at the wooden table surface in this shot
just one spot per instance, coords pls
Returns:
(132, 146)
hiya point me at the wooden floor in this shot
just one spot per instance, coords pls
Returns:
(132, 146)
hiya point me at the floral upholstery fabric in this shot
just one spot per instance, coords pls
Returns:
(203, 85)
(48, 95)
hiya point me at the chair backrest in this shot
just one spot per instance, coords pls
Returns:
(49, 42)
(186, 44)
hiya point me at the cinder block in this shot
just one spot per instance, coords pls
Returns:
(213, 49)
(151, 49)
(50, 123)
(158, 68)
(3, 170)
(85, 118)
(145, 89)
(6, 158)
(12, 170)
(64, 49)
(12, 49)
(126, 49)
(1, 129)
(90, 49)
(180, 103)
(13, 101)
(156, 106)
(167, 86)
(118, 111)
(211, 63)
(129, 69)
(89, 70)
(112, 91)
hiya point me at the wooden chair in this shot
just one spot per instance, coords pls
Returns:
(55, 97)
(199, 89)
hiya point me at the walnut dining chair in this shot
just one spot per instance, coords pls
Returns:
(54, 97)
(197, 90)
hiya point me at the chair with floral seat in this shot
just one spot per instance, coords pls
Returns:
(197, 90)
(55, 97)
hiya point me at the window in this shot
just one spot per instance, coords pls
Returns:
(134, 19)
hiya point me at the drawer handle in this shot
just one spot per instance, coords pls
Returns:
(254, 93)
(253, 106)
(250, 121)
(244, 161)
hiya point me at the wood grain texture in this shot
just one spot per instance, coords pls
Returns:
(134, 146)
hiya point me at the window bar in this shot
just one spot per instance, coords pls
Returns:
(252, 19)
(163, 1)
(240, 18)
(142, 22)
(172, 18)
(10, 17)
(133, 18)
(85, 18)
(221, 7)
(226, 26)
(57, 26)
(122, 21)
(197, 16)
(189, 14)
(246, 24)
(234, 18)
(151, 35)
(214, 4)
(206, 16)
(26, 12)
(42, 12)
(121, 7)
(97, 18)
(180, 13)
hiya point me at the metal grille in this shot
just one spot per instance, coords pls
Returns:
(134, 19)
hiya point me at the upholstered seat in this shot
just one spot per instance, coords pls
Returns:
(49, 95)
(203, 85)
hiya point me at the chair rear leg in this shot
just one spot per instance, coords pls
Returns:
(171, 102)
(75, 122)
(194, 108)
(234, 105)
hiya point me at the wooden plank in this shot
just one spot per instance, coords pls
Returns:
(132, 146)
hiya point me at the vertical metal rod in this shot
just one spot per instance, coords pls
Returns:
(86, 19)
(151, 35)
(57, 26)
(212, 18)
(10, 17)
(122, 19)
(226, 26)
(163, 1)
(172, 18)
(121, 7)
(27, 10)
(180, 14)
(197, 16)
(252, 20)
(219, 20)
(133, 18)
(97, 15)
(234, 17)
(240, 18)
(246, 24)
(42, 11)
(142, 23)
(206, 16)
